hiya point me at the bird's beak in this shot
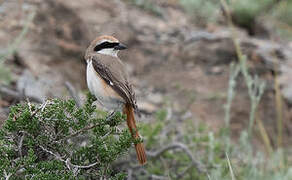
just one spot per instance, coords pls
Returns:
(120, 46)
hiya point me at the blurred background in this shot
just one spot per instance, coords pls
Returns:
(213, 78)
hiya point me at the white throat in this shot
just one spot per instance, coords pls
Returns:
(109, 51)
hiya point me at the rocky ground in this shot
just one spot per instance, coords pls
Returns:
(173, 64)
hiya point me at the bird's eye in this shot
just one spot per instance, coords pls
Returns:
(105, 45)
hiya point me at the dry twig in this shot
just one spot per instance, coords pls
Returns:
(183, 147)
(7, 176)
(68, 160)
(20, 145)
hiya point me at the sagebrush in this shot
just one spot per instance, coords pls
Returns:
(57, 140)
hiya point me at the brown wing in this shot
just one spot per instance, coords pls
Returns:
(112, 70)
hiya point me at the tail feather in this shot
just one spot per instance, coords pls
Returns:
(140, 151)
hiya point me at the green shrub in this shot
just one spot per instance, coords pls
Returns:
(201, 11)
(282, 14)
(57, 140)
(246, 11)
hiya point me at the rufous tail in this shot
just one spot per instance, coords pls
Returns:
(140, 151)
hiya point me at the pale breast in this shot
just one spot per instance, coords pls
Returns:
(103, 92)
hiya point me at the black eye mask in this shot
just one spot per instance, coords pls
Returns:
(105, 45)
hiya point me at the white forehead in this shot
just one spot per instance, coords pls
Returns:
(106, 40)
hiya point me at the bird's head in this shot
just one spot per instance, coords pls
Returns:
(107, 45)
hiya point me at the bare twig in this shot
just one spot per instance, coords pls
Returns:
(7, 176)
(106, 135)
(20, 145)
(264, 134)
(153, 176)
(29, 105)
(230, 167)
(180, 175)
(68, 160)
(68, 163)
(43, 106)
(79, 132)
(183, 147)
(234, 71)
(73, 93)
(40, 108)
(58, 157)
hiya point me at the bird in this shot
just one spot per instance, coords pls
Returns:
(108, 80)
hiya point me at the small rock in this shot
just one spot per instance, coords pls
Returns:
(187, 115)
(46, 85)
(146, 106)
(155, 98)
(216, 70)
(28, 85)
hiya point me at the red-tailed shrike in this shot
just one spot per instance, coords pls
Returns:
(108, 80)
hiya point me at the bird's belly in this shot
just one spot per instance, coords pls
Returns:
(106, 96)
